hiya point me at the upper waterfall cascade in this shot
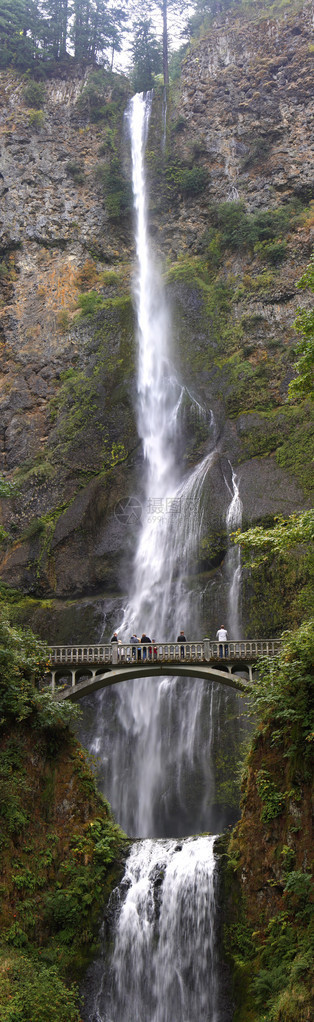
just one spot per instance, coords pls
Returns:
(166, 737)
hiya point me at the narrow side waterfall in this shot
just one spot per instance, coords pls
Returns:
(233, 561)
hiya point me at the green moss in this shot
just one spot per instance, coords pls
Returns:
(59, 867)
(296, 453)
(289, 432)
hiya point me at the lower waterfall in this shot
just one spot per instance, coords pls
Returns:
(163, 966)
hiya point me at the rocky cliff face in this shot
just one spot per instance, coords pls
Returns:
(231, 216)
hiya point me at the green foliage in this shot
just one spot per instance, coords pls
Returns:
(298, 528)
(103, 98)
(304, 324)
(116, 189)
(299, 886)
(78, 888)
(33, 992)
(239, 229)
(23, 661)
(273, 251)
(286, 961)
(272, 964)
(75, 170)
(36, 119)
(283, 698)
(90, 303)
(273, 801)
(192, 182)
(146, 56)
(34, 94)
(35, 37)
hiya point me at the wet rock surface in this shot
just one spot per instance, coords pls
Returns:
(68, 436)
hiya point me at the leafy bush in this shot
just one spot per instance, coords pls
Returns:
(23, 661)
(36, 119)
(116, 189)
(34, 94)
(274, 251)
(304, 324)
(90, 303)
(32, 991)
(273, 801)
(75, 170)
(192, 182)
(239, 229)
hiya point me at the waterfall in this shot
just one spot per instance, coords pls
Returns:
(233, 560)
(163, 967)
(158, 739)
(171, 512)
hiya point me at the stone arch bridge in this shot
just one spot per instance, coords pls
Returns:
(77, 671)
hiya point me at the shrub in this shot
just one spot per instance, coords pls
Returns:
(116, 189)
(23, 660)
(30, 990)
(240, 229)
(192, 182)
(75, 170)
(90, 303)
(274, 251)
(36, 119)
(34, 94)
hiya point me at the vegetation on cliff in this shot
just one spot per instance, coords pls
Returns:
(60, 850)
(268, 887)
(268, 881)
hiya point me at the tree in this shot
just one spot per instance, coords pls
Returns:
(146, 53)
(19, 20)
(302, 385)
(56, 23)
(279, 540)
(147, 11)
(97, 28)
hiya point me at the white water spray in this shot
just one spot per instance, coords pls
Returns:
(165, 732)
(233, 560)
(163, 967)
(157, 736)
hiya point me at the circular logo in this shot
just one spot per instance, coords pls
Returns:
(129, 509)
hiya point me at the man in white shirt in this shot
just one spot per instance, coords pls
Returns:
(222, 636)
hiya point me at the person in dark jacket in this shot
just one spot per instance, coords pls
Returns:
(115, 637)
(181, 638)
(144, 640)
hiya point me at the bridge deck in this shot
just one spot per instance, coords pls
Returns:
(90, 667)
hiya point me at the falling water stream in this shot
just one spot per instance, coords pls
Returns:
(157, 738)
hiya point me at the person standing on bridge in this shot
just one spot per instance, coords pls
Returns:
(134, 640)
(145, 639)
(222, 636)
(181, 638)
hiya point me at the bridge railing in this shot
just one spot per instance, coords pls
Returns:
(204, 650)
(81, 654)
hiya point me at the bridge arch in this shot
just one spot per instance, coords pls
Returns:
(107, 678)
